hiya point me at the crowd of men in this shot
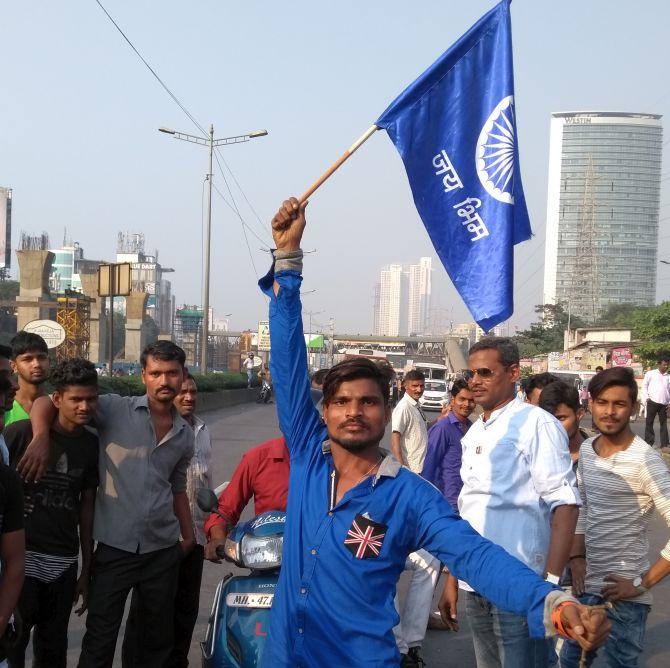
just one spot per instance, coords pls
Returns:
(537, 525)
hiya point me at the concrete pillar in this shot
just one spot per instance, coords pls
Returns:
(136, 303)
(97, 347)
(34, 270)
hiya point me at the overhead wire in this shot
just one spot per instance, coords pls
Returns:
(204, 133)
(151, 69)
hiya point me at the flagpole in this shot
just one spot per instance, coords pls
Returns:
(338, 163)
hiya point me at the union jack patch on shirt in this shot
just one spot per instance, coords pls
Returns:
(365, 537)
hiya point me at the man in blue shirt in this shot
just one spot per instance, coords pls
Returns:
(354, 514)
(442, 465)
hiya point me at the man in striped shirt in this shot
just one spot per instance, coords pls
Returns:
(621, 480)
(58, 510)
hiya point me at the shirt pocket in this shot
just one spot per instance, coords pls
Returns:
(491, 466)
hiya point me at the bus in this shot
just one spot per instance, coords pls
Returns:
(432, 371)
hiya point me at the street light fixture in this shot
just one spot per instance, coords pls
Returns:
(211, 143)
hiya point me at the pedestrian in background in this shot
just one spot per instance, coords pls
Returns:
(248, 366)
(656, 392)
(59, 516)
(30, 362)
(141, 509)
(12, 543)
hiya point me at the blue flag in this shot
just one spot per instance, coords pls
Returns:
(455, 130)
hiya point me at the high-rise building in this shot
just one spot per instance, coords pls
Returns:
(5, 230)
(602, 210)
(393, 284)
(419, 296)
(402, 299)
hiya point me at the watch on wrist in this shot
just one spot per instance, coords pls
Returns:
(554, 579)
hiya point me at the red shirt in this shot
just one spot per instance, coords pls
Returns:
(263, 473)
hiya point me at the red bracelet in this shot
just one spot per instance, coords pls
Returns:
(556, 617)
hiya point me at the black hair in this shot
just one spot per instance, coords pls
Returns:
(6, 352)
(599, 369)
(663, 357)
(413, 374)
(354, 369)
(76, 371)
(319, 376)
(5, 385)
(617, 375)
(26, 342)
(538, 381)
(508, 351)
(559, 393)
(165, 351)
(458, 385)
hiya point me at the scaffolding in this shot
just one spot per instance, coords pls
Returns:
(187, 330)
(73, 313)
(584, 298)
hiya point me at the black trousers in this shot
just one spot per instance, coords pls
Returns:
(186, 606)
(654, 409)
(45, 608)
(114, 574)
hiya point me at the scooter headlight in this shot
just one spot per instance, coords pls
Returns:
(232, 551)
(262, 552)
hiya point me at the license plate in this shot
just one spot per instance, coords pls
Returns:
(239, 600)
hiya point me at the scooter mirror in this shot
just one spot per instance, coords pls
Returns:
(206, 500)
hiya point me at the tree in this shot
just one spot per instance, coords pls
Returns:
(651, 326)
(546, 335)
(619, 315)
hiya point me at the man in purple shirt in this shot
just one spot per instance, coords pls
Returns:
(442, 465)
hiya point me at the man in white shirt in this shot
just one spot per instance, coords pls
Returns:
(248, 366)
(409, 441)
(656, 393)
(519, 491)
(409, 438)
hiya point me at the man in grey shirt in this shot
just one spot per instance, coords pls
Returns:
(140, 512)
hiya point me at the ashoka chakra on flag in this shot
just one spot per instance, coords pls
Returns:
(495, 152)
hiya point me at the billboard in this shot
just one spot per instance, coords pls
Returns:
(5, 227)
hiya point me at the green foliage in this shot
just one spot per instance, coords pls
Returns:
(619, 315)
(546, 335)
(132, 386)
(651, 326)
(526, 371)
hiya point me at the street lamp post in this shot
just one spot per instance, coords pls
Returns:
(211, 143)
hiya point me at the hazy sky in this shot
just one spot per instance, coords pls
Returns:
(80, 148)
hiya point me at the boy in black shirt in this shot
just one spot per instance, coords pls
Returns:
(12, 542)
(58, 511)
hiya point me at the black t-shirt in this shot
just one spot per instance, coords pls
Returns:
(11, 500)
(52, 505)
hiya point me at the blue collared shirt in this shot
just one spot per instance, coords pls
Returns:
(442, 466)
(333, 607)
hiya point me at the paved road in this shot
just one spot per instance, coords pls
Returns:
(236, 429)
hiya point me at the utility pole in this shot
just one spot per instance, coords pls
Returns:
(211, 144)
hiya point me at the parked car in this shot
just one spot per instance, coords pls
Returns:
(434, 395)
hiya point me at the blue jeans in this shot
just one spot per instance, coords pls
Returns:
(501, 638)
(625, 642)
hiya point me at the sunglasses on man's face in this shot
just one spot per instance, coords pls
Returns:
(483, 372)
